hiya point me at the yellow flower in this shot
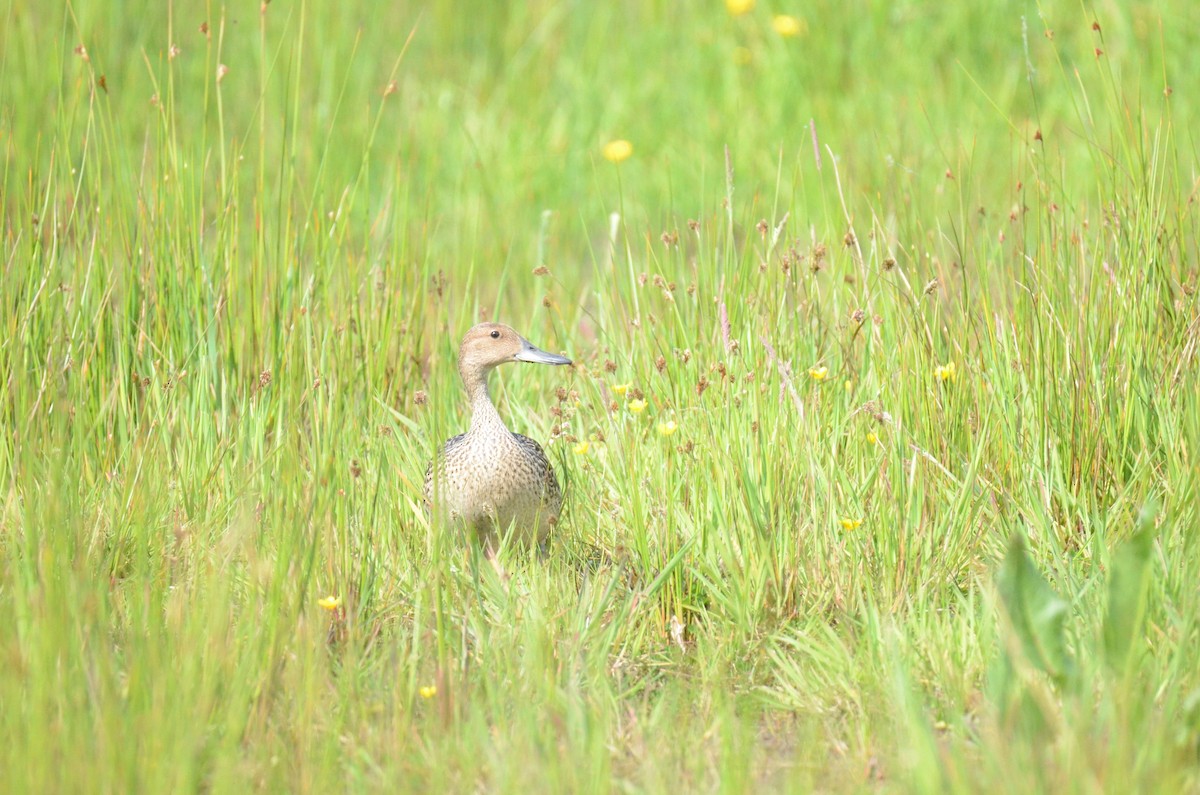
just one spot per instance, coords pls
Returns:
(849, 385)
(789, 26)
(818, 373)
(428, 691)
(582, 448)
(330, 602)
(667, 428)
(872, 438)
(851, 524)
(739, 7)
(637, 406)
(618, 150)
(945, 372)
(621, 389)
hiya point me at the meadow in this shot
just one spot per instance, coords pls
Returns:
(880, 447)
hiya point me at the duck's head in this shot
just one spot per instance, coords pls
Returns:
(490, 344)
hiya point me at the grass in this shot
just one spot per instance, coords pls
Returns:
(916, 288)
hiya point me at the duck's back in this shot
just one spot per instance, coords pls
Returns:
(543, 472)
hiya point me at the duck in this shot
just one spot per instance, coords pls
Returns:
(489, 479)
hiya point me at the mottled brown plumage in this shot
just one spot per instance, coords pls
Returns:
(490, 478)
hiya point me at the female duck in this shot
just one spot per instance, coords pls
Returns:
(490, 478)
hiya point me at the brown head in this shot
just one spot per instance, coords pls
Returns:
(490, 344)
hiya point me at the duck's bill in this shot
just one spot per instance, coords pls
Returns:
(530, 353)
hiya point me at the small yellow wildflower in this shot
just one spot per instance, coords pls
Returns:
(637, 406)
(667, 428)
(617, 151)
(739, 7)
(330, 602)
(621, 389)
(428, 691)
(945, 372)
(789, 26)
(851, 524)
(818, 373)
(849, 385)
(872, 438)
(582, 447)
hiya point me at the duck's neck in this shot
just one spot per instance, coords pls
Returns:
(483, 412)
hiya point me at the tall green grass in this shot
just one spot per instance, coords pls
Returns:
(909, 300)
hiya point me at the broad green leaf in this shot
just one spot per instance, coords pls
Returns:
(1128, 585)
(1036, 613)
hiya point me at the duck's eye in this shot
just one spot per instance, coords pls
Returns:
(495, 335)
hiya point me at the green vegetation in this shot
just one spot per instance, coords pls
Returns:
(914, 283)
